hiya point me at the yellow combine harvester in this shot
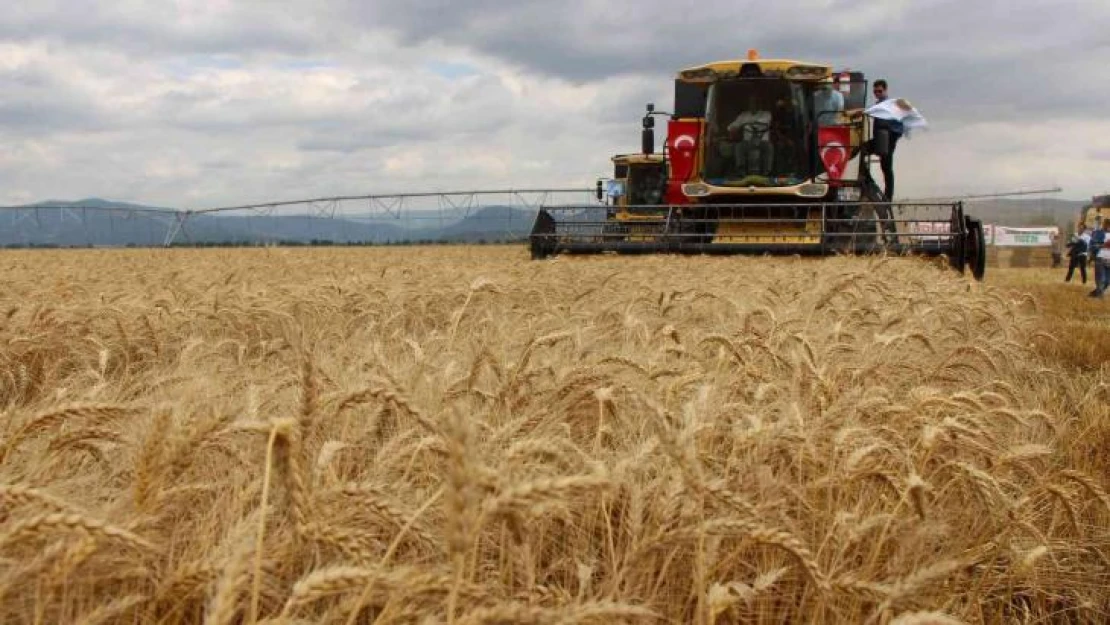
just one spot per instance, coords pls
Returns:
(1092, 214)
(637, 190)
(762, 156)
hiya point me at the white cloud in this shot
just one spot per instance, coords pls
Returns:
(201, 103)
(1002, 156)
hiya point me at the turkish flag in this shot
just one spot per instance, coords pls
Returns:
(682, 142)
(834, 143)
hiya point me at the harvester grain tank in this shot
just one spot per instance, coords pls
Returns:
(761, 156)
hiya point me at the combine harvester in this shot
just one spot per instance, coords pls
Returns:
(750, 166)
(1093, 214)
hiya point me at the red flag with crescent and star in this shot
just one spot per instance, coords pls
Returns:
(835, 143)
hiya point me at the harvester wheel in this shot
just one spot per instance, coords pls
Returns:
(869, 215)
(857, 232)
(958, 253)
(541, 240)
(975, 247)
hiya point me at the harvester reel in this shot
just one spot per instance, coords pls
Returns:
(614, 231)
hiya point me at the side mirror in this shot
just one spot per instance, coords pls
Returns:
(647, 140)
(647, 136)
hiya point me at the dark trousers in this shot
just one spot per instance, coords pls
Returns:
(886, 163)
(1077, 261)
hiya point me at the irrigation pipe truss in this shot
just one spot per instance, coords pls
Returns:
(438, 206)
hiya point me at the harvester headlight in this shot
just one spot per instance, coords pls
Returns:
(695, 189)
(847, 194)
(813, 190)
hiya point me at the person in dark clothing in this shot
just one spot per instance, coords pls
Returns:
(894, 129)
(1078, 248)
(1100, 253)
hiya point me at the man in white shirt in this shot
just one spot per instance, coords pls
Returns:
(1077, 252)
(752, 130)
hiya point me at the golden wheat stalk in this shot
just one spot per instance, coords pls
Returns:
(91, 413)
(19, 495)
(39, 526)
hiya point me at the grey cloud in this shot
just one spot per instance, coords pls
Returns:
(154, 29)
(956, 55)
(350, 140)
(36, 102)
(592, 39)
(69, 127)
(37, 118)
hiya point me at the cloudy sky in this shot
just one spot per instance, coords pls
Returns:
(199, 103)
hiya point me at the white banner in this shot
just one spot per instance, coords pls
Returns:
(928, 227)
(1024, 237)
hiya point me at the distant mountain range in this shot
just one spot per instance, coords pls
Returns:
(114, 224)
(117, 224)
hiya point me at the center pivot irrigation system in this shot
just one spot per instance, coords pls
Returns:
(498, 213)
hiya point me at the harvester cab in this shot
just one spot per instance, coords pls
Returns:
(763, 156)
(639, 180)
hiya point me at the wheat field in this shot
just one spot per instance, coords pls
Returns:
(463, 435)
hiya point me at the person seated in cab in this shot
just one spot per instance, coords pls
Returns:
(751, 131)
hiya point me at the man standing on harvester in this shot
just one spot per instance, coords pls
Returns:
(894, 128)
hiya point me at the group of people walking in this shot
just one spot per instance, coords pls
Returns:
(1088, 246)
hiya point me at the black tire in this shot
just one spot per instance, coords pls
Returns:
(957, 255)
(868, 232)
(541, 240)
(539, 249)
(975, 248)
(846, 237)
(884, 215)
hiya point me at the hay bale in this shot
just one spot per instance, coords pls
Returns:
(1019, 256)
